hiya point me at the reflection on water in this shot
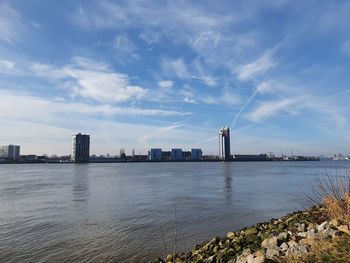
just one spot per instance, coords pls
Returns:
(227, 172)
(81, 183)
(113, 212)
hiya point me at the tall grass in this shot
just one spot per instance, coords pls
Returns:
(333, 192)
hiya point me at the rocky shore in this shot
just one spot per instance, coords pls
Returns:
(279, 240)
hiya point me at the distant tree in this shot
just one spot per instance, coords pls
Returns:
(123, 156)
(121, 151)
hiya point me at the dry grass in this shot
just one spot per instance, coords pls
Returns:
(333, 192)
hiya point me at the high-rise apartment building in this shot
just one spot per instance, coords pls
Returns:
(10, 152)
(224, 144)
(155, 154)
(80, 148)
(196, 154)
(176, 154)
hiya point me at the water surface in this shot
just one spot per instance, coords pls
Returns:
(115, 212)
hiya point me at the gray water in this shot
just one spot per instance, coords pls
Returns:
(116, 212)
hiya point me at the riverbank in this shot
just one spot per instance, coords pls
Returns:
(297, 237)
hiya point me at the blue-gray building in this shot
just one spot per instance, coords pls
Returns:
(155, 154)
(11, 152)
(196, 154)
(80, 148)
(176, 154)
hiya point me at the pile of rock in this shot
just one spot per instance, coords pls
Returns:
(290, 235)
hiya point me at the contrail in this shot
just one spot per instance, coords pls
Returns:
(243, 108)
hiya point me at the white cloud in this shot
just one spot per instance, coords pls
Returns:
(226, 97)
(165, 84)
(176, 68)
(11, 25)
(37, 108)
(257, 67)
(202, 73)
(93, 80)
(125, 49)
(272, 108)
(7, 66)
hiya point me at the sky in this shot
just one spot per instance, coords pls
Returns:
(137, 74)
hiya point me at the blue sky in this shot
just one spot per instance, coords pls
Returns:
(140, 74)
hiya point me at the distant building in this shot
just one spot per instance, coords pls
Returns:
(186, 155)
(10, 152)
(166, 155)
(80, 148)
(155, 154)
(196, 154)
(176, 154)
(224, 144)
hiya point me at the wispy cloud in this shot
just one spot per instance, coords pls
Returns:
(89, 79)
(47, 109)
(257, 67)
(11, 26)
(176, 67)
(272, 108)
(125, 49)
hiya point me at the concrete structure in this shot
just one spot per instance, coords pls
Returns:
(10, 152)
(224, 144)
(155, 154)
(176, 154)
(80, 148)
(196, 154)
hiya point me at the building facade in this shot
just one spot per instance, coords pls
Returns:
(224, 144)
(155, 154)
(10, 152)
(80, 148)
(176, 154)
(196, 154)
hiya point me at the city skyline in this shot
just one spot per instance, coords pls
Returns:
(137, 75)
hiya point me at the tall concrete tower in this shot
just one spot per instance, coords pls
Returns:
(80, 148)
(224, 144)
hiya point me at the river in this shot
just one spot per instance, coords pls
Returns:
(121, 212)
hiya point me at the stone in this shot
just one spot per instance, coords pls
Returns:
(296, 249)
(282, 236)
(344, 228)
(284, 246)
(250, 231)
(243, 257)
(230, 235)
(292, 243)
(311, 233)
(169, 258)
(334, 222)
(269, 242)
(322, 226)
(310, 227)
(258, 257)
(302, 234)
(272, 253)
(301, 228)
(210, 259)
